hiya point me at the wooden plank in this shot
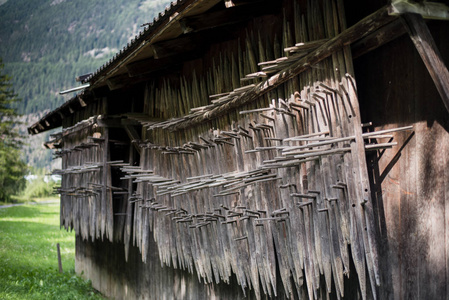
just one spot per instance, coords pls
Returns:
(445, 150)
(127, 234)
(431, 220)
(430, 161)
(427, 49)
(133, 135)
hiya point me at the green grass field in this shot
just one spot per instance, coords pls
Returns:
(28, 256)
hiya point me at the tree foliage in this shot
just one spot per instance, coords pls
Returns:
(12, 168)
(45, 44)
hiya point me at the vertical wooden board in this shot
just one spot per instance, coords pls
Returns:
(357, 180)
(324, 224)
(431, 163)
(127, 232)
(428, 50)
(110, 209)
(269, 205)
(145, 229)
(440, 34)
(445, 151)
(431, 198)
(253, 265)
(136, 217)
(385, 113)
(335, 240)
(295, 223)
(416, 234)
(310, 260)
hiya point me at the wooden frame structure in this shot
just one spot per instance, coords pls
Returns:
(230, 139)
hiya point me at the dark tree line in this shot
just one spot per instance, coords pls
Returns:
(12, 168)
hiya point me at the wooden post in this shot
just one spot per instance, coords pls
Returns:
(104, 190)
(59, 258)
(427, 49)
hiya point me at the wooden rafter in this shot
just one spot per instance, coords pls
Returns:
(233, 15)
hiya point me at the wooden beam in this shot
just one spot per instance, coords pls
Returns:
(427, 49)
(378, 38)
(225, 17)
(133, 135)
(428, 10)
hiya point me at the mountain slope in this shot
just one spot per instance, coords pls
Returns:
(45, 44)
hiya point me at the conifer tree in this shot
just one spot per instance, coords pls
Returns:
(12, 168)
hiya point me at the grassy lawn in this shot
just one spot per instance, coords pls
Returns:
(28, 256)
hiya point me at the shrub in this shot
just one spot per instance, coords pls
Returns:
(39, 188)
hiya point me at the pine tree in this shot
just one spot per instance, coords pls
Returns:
(12, 168)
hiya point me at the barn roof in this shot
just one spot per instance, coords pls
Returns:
(165, 26)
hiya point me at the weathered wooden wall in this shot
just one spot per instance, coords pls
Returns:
(220, 197)
(272, 194)
(104, 264)
(410, 182)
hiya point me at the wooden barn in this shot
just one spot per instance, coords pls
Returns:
(291, 149)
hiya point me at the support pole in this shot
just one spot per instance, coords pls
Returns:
(59, 258)
(427, 49)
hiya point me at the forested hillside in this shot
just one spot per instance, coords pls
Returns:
(45, 44)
